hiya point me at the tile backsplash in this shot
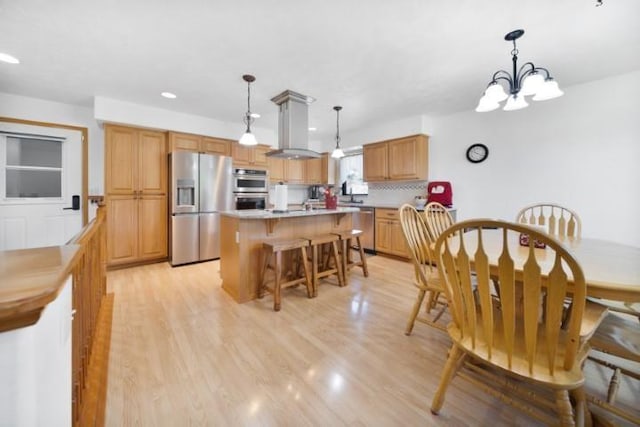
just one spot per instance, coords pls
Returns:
(379, 193)
(395, 193)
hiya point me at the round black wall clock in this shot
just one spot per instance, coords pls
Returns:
(477, 153)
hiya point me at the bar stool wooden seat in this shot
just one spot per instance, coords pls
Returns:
(319, 268)
(347, 238)
(275, 249)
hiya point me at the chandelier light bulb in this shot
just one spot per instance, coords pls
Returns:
(495, 92)
(548, 90)
(532, 84)
(515, 102)
(486, 104)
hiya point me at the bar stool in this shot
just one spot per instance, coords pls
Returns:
(319, 268)
(275, 248)
(346, 246)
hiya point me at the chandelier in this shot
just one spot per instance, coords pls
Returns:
(248, 138)
(528, 80)
(337, 152)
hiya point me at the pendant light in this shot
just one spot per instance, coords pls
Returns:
(248, 138)
(337, 152)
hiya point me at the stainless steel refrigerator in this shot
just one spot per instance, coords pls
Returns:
(201, 188)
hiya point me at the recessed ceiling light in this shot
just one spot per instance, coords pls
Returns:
(313, 129)
(5, 57)
(169, 95)
(255, 115)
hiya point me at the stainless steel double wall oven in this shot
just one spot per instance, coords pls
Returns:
(250, 188)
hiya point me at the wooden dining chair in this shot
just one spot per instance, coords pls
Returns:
(505, 344)
(437, 218)
(426, 277)
(557, 220)
(616, 345)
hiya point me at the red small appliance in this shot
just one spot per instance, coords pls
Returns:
(441, 192)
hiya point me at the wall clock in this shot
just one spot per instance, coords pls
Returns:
(477, 153)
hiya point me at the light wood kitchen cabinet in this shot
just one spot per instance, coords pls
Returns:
(288, 171)
(320, 171)
(389, 236)
(198, 143)
(400, 159)
(136, 194)
(250, 156)
(219, 146)
(313, 171)
(184, 141)
(374, 159)
(276, 169)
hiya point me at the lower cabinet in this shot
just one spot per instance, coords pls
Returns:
(139, 230)
(389, 236)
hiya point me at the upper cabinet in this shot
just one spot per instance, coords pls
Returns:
(198, 143)
(135, 161)
(276, 169)
(288, 171)
(399, 159)
(310, 171)
(215, 146)
(255, 157)
(184, 141)
(320, 171)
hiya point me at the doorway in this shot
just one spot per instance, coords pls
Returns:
(43, 181)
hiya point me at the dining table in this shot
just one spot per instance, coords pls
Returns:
(611, 269)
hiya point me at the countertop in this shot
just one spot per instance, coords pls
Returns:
(269, 214)
(382, 205)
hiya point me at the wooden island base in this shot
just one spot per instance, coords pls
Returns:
(242, 235)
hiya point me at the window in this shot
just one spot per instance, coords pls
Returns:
(351, 168)
(32, 166)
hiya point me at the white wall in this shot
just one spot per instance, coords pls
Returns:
(581, 150)
(380, 132)
(22, 107)
(112, 110)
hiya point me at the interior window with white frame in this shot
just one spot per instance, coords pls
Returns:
(32, 167)
(351, 168)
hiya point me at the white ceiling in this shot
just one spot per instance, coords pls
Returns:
(379, 59)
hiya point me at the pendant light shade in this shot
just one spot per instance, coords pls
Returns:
(487, 104)
(337, 152)
(515, 102)
(524, 81)
(548, 90)
(248, 138)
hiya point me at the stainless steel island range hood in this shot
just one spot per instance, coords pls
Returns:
(293, 126)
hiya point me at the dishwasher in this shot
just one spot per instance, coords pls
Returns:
(365, 221)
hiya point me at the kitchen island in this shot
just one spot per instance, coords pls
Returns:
(242, 233)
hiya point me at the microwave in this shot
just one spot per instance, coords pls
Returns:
(250, 181)
(244, 201)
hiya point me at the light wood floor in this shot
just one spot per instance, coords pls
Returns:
(184, 353)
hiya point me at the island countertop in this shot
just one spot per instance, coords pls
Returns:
(270, 214)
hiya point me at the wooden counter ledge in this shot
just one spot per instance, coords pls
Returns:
(242, 234)
(29, 280)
